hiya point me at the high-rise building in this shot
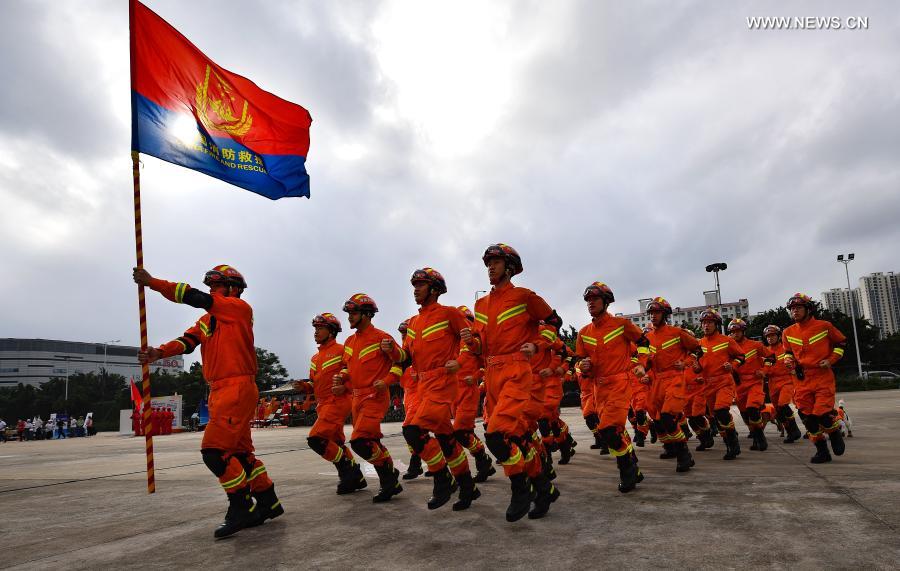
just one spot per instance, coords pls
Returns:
(36, 361)
(879, 295)
(839, 299)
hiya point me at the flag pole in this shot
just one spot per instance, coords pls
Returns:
(142, 307)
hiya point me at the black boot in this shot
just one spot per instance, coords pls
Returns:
(652, 434)
(522, 495)
(268, 506)
(759, 440)
(414, 470)
(822, 454)
(837, 442)
(444, 486)
(547, 466)
(706, 440)
(685, 461)
(629, 473)
(598, 442)
(547, 493)
(484, 466)
(639, 438)
(793, 431)
(351, 477)
(468, 492)
(668, 451)
(732, 445)
(388, 477)
(566, 451)
(687, 430)
(240, 514)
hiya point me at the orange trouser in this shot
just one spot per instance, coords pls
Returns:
(369, 407)
(552, 395)
(694, 396)
(586, 388)
(667, 394)
(815, 393)
(612, 395)
(232, 403)
(535, 407)
(437, 392)
(781, 390)
(330, 417)
(508, 389)
(750, 393)
(719, 391)
(465, 407)
(410, 402)
(639, 393)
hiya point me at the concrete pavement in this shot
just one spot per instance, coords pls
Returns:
(82, 503)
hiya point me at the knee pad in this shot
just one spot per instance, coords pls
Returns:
(447, 443)
(612, 437)
(497, 445)
(214, 460)
(695, 423)
(828, 421)
(544, 427)
(413, 436)
(246, 461)
(785, 413)
(668, 422)
(753, 413)
(462, 436)
(592, 420)
(723, 416)
(317, 444)
(363, 447)
(811, 422)
(641, 416)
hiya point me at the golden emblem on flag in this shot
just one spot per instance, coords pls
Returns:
(216, 110)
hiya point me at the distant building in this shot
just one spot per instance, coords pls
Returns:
(879, 295)
(36, 361)
(729, 310)
(839, 299)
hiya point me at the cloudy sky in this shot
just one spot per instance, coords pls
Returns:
(633, 143)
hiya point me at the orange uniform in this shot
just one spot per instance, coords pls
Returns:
(410, 385)
(505, 319)
(332, 410)
(546, 357)
(225, 337)
(465, 407)
(807, 344)
(750, 393)
(720, 387)
(608, 342)
(781, 379)
(364, 364)
(673, 352)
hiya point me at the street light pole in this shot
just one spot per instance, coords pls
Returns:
(105, 345)
(716, 268)
(846, 263)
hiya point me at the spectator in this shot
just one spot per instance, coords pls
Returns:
(2, 430)
(79, 431)
(60, 427)
(20, 429)
(73, 426)
(38, 428)
(89, 425)
(29, 429)
(48, 429)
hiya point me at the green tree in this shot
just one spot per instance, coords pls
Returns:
(568, 336)
(269, 370)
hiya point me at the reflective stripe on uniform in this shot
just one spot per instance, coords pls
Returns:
(180, 290)
(366, 350)
(818, 337)
(435, 328)
(671, 342)
(512, 312)
(588, 340)
(613, 334)
(330, 362)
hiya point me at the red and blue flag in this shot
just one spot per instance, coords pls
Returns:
(189, 111)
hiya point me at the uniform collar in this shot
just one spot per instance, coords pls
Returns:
(598, 321)
(328, 344)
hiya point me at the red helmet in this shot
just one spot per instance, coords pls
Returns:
(327, 320)
(431, 277)
(360, 302)
(226, 276)
(404, 325)
(800, 299)
(737, 324)
(710, 314)
(601, 290)
(659, 304)
(466, 312)
(770, 329)
(509, 255)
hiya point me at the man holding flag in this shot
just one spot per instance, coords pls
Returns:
(225, 337)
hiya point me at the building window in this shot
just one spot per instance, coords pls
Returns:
(9, 370)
